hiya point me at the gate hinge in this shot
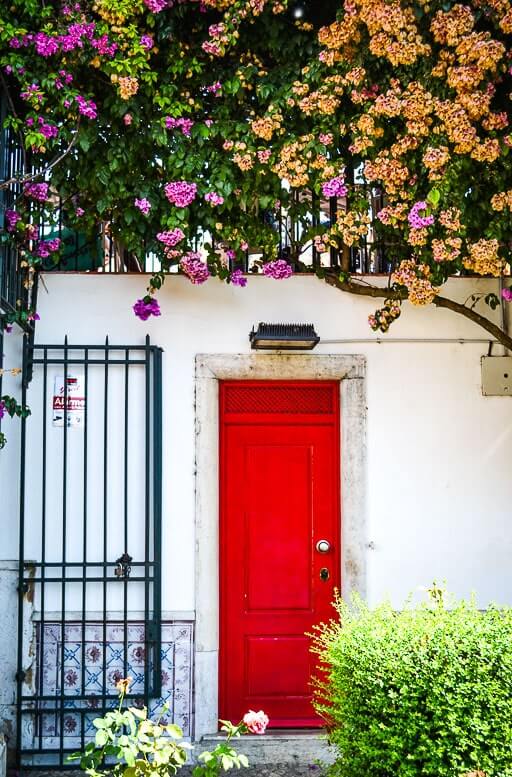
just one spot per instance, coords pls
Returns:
(20, 676)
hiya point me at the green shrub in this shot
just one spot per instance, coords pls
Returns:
(426, 691)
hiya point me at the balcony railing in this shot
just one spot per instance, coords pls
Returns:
(103, 254)
(14, 288)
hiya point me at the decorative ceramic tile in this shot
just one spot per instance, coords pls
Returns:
(87, 660)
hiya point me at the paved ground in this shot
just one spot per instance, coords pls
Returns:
(274, 770)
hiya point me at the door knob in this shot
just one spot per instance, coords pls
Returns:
(323, 546)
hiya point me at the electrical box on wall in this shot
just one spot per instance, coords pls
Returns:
(497, 376)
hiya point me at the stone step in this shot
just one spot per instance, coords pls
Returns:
(294, 748)
(286, 753)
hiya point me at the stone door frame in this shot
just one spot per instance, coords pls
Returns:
(350, 370)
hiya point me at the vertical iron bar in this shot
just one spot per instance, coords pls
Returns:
(21, 562)
(316, 217)
(84, 543)
(333, 212)
(105, 517)
(125, 516)
(157, 519)
(64, 554)
(147, 505)
(43, 538)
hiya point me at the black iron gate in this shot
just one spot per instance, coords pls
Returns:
(90, 527)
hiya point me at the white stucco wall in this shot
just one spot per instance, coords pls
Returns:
(9, 456)
(438, 478)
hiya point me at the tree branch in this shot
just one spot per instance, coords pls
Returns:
(441, 302)
(50, 166)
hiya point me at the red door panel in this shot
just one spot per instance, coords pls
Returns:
(279, 495)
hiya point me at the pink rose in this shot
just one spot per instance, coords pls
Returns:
(256, 722)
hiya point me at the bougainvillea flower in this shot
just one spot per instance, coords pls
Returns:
(146, 307)
(278, 269)
(143, 205)
(180, 193)
(193, 266)
(237, 278)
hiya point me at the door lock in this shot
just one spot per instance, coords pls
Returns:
(324, 574)
(323, 546)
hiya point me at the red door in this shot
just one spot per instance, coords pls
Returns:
(280, 496)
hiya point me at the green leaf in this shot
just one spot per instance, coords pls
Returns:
(434, 196)
(101, 738)
(139, 713)
(84, 142)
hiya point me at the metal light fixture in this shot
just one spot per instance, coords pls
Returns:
(285, 337)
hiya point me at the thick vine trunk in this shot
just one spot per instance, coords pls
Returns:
(364, 290)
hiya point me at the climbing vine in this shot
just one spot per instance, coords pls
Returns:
(188, 126)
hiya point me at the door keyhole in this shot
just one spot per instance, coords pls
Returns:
(324, 574)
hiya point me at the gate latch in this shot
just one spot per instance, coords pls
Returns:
(123, 568)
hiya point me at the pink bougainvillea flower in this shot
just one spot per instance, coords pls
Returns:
(127, 118)
(278, 269)
(45, 45)
(180, 193)
(194, 267)
(155, 6)
(2, 409)
(48, 130)
(171, 237)
(415, 220)
(146, 307)
(185, 125)
(507, 294)
(104, 46)
(36, 191)
(335, 187)
(146, 41)
(143, 205)
(87, 108)
(46, 247)
(237, 278)
(213, 88)
(11, 219)
(256, 722)
(213, 198)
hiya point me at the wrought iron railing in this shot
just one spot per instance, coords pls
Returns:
(90, 541)
(102, 253)
(15, 291)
